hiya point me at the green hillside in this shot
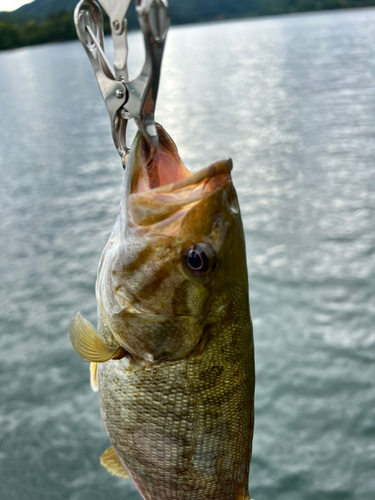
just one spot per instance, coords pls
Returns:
(186, 9)
(42, 8)
(45, 21)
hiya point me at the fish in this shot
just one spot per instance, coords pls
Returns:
(172, 357)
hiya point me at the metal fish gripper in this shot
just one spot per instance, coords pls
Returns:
(125, 98)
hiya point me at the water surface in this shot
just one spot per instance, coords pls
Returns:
(292, 100)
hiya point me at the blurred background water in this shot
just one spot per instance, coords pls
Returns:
(292, 100)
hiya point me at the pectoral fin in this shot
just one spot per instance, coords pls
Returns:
(112, 463)
(89, 344)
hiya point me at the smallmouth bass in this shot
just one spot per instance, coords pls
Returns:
(173, 356)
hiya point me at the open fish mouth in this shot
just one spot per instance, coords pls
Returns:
(163, 187)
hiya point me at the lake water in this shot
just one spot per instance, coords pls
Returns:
(292, 100)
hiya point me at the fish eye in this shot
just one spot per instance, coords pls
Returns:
(199, 259)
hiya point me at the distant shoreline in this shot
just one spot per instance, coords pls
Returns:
(59, 27)
(270, 16)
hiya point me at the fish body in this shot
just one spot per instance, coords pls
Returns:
(173, 357)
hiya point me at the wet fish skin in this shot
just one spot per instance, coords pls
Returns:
(178, 405)
(185, 427)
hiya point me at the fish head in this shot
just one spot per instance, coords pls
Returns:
(177, 244)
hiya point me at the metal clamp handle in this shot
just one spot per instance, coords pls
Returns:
(124, 98)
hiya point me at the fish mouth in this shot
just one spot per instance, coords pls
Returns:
(161, 187)
(165, 208)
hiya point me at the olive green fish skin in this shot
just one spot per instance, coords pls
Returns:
(184, 428)
(178, 409)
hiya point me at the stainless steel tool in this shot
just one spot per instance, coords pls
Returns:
(125, 98)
